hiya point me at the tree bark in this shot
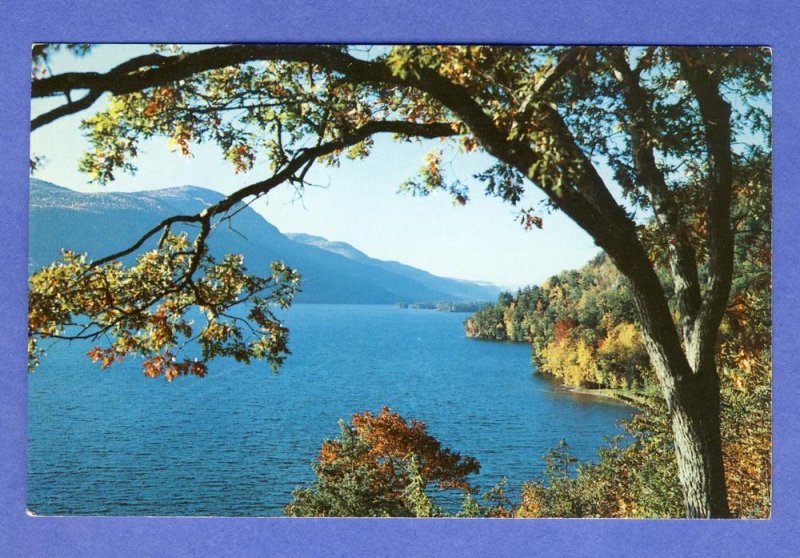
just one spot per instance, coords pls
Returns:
(686, 371)
(694, 412)
(690, 392)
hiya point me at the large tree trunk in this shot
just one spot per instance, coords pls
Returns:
(694, 412)
(689, 382)
(693, 400)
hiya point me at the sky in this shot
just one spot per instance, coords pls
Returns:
(357, 203)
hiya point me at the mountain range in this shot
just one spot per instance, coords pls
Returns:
(332, 272)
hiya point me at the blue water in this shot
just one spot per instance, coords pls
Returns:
(238, 442)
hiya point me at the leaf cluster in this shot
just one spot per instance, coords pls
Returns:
(381, 465)
(146, 309)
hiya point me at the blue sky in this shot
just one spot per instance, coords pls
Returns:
(356, 203)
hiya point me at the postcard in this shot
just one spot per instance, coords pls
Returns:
(349, 279)
(440, 281)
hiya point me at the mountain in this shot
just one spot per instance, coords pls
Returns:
(332, 272)
(457, 289)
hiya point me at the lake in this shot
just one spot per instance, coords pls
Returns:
(239, 441)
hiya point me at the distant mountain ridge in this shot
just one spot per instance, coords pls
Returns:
(458, 288)
(332, 272)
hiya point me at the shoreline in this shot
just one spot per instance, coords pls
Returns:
(621, 396)
(624, 397)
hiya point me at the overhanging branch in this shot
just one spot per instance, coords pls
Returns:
(288, 172)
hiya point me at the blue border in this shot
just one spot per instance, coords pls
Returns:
(628, 22)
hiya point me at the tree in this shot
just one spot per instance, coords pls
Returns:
(676, 125)
(381, 465)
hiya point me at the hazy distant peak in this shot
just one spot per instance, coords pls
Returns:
(455, 288)
(335, 246)
(207, 195)
(181, 199)
(204, 195)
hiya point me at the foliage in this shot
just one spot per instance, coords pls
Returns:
(686, 132)
(144, 309)
(498, 504)
(381, 465)
(636, 475)
(635, 479)
(747, 436)
(581, 325)
(578, 327)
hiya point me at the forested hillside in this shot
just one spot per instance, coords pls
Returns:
(582, 329)
(580, 324)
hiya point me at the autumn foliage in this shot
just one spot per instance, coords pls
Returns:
(144, 309)
(582, 330)
(581, 325)
(685, 131)
(391, 439)
(381, 465)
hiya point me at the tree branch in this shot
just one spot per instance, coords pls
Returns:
(683, 262)
(586, 200)
(558, 70)
(162, 226)
(69, 108)
(301, 159)
(716, 114)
